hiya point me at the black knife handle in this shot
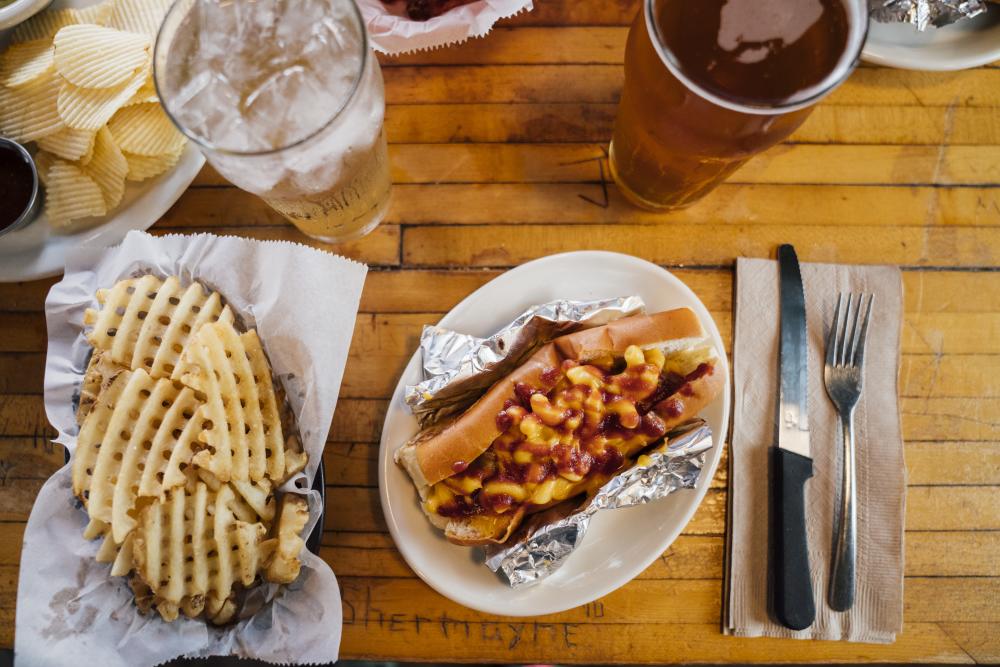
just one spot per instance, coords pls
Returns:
(793, 594)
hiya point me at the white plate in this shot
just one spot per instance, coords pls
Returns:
(19, 11)
(619, 544)
(38, 252)
(968, 43)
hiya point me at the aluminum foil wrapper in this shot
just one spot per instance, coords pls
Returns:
(458, 368)
(543, 545)
(922, 13)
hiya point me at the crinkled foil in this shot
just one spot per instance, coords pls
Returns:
(923, 13)
(544, 544)
(458, 367)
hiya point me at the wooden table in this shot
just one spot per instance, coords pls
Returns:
(498, 156)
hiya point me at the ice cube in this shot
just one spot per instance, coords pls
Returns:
(254, 75)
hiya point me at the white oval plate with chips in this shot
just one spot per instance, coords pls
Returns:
(619, 544)
(39, 251)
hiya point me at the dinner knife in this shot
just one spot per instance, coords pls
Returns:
(793, 594)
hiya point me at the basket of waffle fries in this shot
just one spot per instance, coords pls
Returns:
(193, 380)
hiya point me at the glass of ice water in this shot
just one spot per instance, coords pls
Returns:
(286, 100)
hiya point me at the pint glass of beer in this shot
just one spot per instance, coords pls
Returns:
(285, 99)
(711, 83)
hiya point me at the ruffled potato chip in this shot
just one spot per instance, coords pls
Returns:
(92, 108)
(141, 167)
(69, 143)
(139, 16)
(91, 56)
(26, 62)
(144, 129)
(146, 94)
(45, 25)
(71, 194)
(43, 162)
(108, 168)
(29, 112)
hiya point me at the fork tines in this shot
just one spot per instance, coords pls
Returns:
(846, 342)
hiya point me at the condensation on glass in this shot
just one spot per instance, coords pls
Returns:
(287, 102)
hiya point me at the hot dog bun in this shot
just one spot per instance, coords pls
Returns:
(444, 450)
(677, 328)
(431, 456)
(433, 453)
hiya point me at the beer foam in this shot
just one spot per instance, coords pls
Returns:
(753, 23)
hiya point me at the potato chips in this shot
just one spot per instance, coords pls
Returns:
(69, 144)
(144, 129)
(45, 25)
(182, 446)
(72, 194)
(68, 75)
(141, 167)
(145, 94)
(143, 18)
(23, 63)
(107, 166)
(91, 56)
(29, 112)
(92, 108)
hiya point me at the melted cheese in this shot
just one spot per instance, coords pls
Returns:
(560, 418)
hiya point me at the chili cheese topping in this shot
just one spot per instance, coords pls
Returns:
(569, 435)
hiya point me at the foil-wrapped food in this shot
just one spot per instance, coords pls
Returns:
(925, 13)
(457, 367)
(573, 407)
(542, 545)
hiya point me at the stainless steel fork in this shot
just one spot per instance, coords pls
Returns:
(843, 375)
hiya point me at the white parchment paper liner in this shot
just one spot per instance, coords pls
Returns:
(393, 32)
(303, 303)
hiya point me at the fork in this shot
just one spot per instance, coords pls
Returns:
(843, 374)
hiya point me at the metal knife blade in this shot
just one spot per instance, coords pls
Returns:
(794, 606)
(793, 422)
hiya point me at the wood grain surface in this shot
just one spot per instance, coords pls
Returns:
(498, 157)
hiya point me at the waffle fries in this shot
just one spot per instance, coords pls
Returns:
(284, 565)
(146, 322)
(231, 371)
(181, 448)
(199, 573)
(101, 372)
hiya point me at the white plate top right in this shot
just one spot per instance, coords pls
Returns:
(967, 43)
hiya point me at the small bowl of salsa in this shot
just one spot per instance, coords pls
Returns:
(20, 198)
